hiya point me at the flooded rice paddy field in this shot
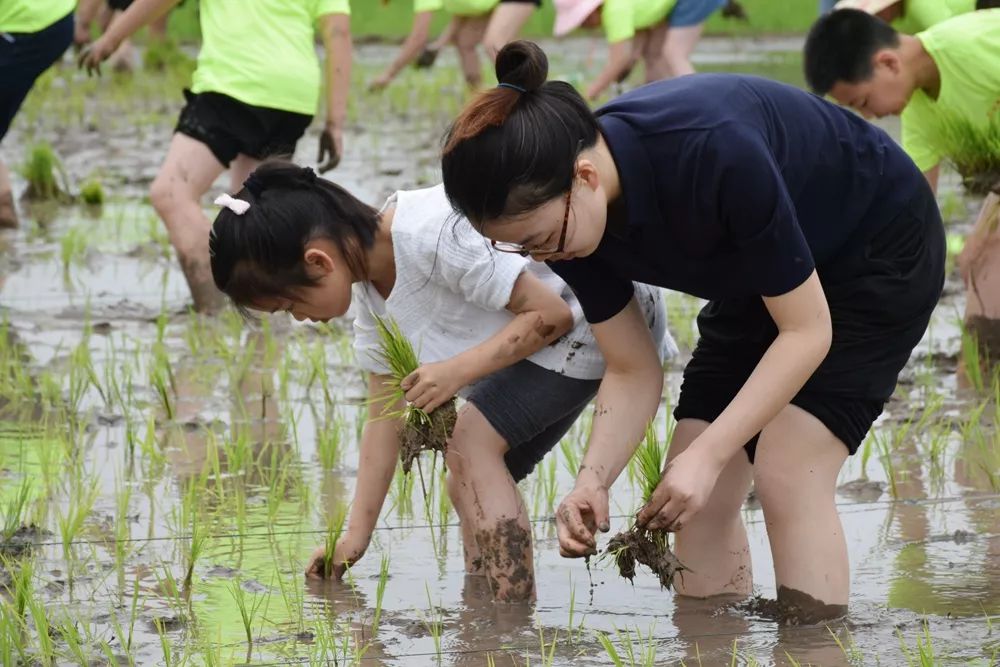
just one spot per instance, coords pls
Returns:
(164, 477)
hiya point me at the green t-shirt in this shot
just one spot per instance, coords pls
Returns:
(420, 6)
(32, 15)
(469, 7)
(966, 50)
(919, 15)
(622, 18)
(263, 52)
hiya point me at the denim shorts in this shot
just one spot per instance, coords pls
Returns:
(687, 13)
(531, 408)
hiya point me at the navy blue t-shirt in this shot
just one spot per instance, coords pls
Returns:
(735, 186)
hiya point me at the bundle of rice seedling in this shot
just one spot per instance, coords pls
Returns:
(43, 170)
(421, 431)
(638, 545)
(973, 150)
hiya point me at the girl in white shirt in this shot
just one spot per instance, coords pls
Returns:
(503, 332)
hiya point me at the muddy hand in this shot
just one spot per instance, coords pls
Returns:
(432, 385)
(93, 55)
(347, 552)
(580, 515)
(331, 147)
(687, 483)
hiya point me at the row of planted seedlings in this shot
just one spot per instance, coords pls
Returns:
(202, 502)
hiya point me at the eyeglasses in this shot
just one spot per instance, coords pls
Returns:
(518, 249)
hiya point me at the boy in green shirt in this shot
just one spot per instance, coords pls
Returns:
(951, 70)
(33, 35)
(253, 94)
(946, 75)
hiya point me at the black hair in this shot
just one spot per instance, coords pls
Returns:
(840, 46)
(259, 254)
(515, 146)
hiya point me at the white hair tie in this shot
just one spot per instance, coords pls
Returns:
(237, 206)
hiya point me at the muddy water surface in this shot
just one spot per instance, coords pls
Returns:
(156, 442)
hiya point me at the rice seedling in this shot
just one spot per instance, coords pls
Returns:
(69, 632)
(923, 654)
(43, 171)
(638, 545)
(329, 443)
(972, 361)
(547, 649)
(15, 510)
(92, 192)
(434, 622)
(973, 149)
(334, 529)
(43, 630)
(570, 455)
(71, 522)
(850, 649)
(883, 443)
(198, 539)
(421, 431)
(383, 579)
(248, 610)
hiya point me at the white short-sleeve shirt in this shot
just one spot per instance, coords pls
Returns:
(452, 289)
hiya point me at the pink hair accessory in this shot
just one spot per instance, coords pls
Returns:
(237, 206)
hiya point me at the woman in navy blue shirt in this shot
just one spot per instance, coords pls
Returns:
(816, 242)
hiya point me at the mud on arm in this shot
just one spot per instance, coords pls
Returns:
(541, 317)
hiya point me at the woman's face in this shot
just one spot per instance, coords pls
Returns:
(582, 212)
(329, 298)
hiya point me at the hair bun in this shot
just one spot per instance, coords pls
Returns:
(522, 64)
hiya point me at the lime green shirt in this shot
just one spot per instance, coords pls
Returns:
(919, 15)
(263, 52)
(420, 6)
(469, 7)
(622, 18)
(966, 50)
(32, 15)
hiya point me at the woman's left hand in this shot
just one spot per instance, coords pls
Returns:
(433, 385)
(684, 489)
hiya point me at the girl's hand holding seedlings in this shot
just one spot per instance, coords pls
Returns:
(683, 491)
(433, 385)
(349, 550)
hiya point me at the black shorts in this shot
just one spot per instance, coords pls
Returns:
(119, 5)
(881, 293)
(536, 3)
(531, 408)
(230, 127)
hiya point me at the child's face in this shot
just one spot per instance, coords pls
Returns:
(328, 299)
(885, 93)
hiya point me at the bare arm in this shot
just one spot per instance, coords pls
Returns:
(619, 58)
(376, 467)
(626, 402)
(541, 317)
(137, 15)
(86, 12)
(409, 51)
(336, 29)
(804, 336)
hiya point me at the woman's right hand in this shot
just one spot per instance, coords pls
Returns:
(349, 550)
